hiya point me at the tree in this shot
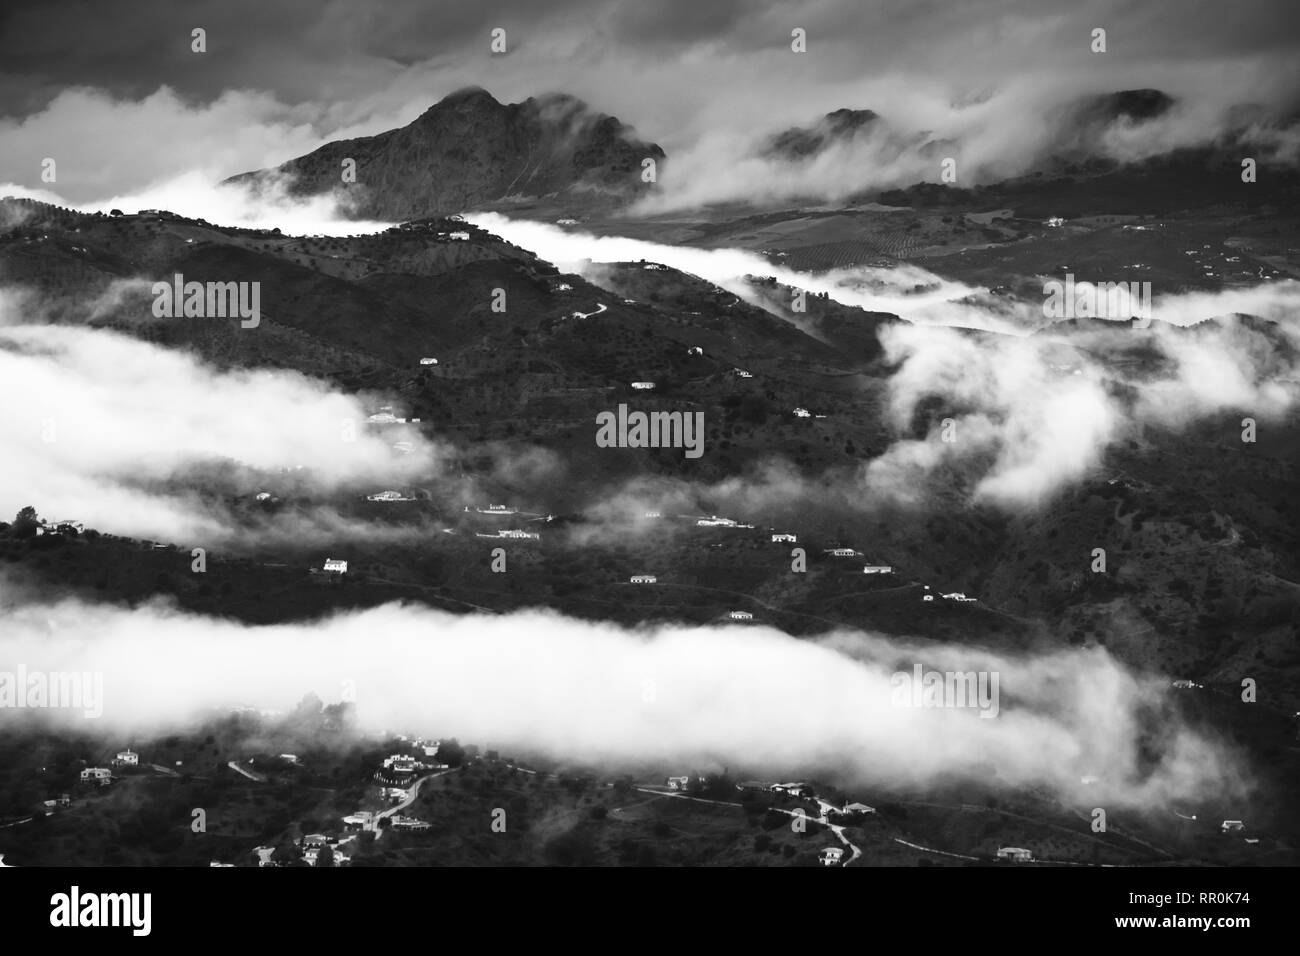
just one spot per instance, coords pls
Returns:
(451, 753)
(25, 523)
(325, 857)
(286, 854)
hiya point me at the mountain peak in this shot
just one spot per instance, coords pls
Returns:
(801, 142)
(469, 150)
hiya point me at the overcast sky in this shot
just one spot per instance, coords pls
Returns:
(115, 94)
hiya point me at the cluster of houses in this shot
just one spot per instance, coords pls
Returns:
(103, 776)
(510, 533)
(713, 521)
(958, 596)
(388, 496)
(644, 579)
(385, 416)
(66, 526)
(311, 845)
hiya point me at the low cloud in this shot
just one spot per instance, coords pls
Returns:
(120, 434)
(683, 697)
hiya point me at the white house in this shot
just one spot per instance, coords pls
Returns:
(831, 856)
(802, 413)
(1232, 825)
(263, 496)
(695, 350)
(927, 597)
(99, 775)
(1015, 854)
(127, 758)
(844, 553)
(740, 615)
(643, 386)
(566, 222)
(653, 514)
(409, 823)
(644, 579)
(878, 569)
(678, 783)
(857, 808)
(713, 521)
(382, 418)
(400, 763)
(798, 789)
(385, 496)
(428, 361)
(458, 236)
(335, 566)
(292, 758)
(785, 537)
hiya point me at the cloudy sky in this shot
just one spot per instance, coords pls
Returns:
(115, 94)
